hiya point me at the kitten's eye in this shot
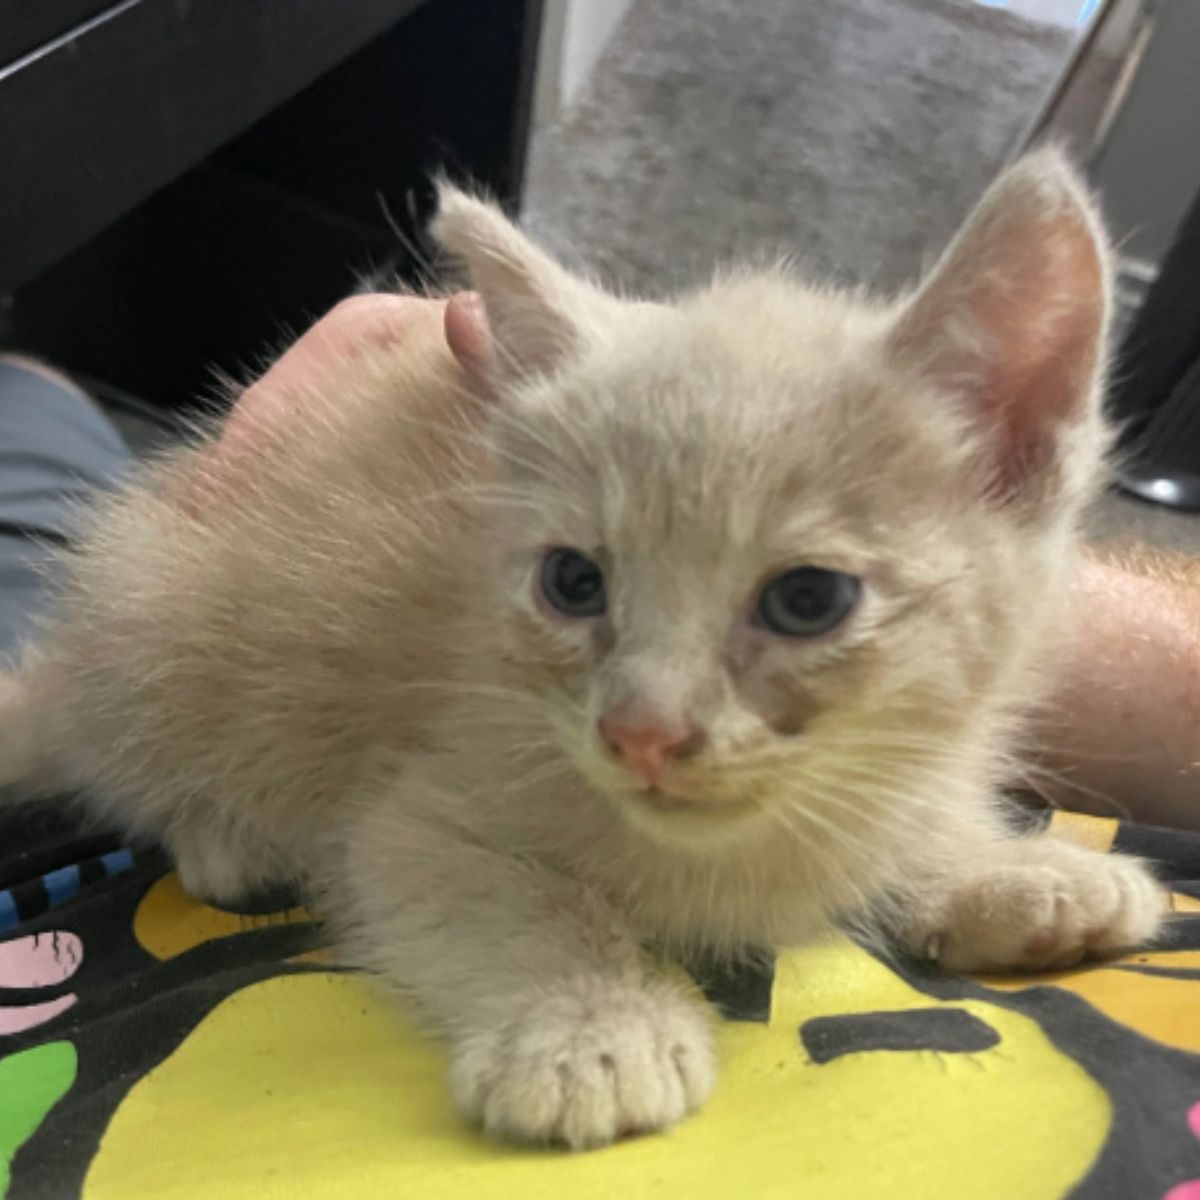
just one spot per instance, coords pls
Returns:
(573, 584)
(808, 601)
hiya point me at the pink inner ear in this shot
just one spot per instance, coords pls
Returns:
(1045, 332)
(1012, 323)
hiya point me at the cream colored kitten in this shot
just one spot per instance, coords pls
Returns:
(675, 626)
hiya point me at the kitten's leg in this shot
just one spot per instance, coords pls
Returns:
(218, 864)
(214, 862)
(559, 1029)
(997, 901)
(22, 722)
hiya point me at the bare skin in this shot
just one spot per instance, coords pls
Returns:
(358, 322)
(1123, 736)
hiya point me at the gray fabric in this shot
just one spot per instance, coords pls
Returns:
(852, 134)
(56, 448)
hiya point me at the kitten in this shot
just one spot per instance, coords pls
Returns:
(667, 626)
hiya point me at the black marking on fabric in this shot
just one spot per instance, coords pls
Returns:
(740, 989)
(91, 870)
(1188, 973)
(31, 899)
(943, 1030)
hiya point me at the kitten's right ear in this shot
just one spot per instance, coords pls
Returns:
(535, 314)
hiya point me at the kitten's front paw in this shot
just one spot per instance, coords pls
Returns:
(585, 1066)
(1044, 905)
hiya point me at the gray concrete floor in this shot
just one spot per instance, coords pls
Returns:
(1067, 13)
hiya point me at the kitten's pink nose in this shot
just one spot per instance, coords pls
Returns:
(648, 747)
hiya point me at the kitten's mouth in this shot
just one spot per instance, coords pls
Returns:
(669, 803)
(674, 804)
(665, 802)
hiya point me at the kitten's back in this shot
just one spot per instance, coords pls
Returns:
(321, 572)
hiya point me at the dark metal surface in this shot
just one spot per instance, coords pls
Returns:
(185, 185)
(94, 122)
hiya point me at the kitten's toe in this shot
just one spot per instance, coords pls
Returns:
(1059, 906)
(584, 1068)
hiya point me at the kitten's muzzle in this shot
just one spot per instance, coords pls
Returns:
(649, 746)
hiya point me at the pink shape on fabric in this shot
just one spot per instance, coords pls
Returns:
(40, 960)
(1194, 1119)
(30, 1016)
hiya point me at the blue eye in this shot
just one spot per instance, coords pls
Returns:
(808, 601)
(572, 583)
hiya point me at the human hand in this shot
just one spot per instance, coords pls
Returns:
(318, 359)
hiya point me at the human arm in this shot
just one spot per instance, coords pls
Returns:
(1121, 734)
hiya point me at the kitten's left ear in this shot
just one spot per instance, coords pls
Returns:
(535, 314)
(1012, 323)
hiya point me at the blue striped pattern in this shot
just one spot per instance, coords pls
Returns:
(117, 861)
(61, 886)
(9, 917)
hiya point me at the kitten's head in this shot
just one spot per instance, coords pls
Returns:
(764, 552)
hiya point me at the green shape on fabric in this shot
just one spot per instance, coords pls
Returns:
(31, 1084)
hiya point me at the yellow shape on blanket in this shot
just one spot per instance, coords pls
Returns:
(1018, 1119)
(302, 1085)
(168, 921)
(311, 1085)
(1157, 1006)
(1092, 833)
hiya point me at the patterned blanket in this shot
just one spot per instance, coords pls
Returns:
(153, 1048)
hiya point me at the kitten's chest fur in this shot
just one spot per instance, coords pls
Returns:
(764, 887)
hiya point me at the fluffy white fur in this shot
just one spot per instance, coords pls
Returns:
(341, 670)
